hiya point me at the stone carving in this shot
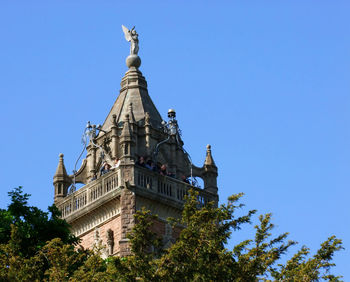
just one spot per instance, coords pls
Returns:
(106, 146)
(97, 239)
(168, 239)
(147, 118)
(97, 235)
(132, 37)
(110, 241)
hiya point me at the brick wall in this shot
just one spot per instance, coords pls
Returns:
(88, 240)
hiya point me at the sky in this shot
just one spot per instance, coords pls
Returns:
(266, 83)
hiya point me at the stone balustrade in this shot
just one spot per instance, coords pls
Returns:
(148, 181)
(168, 187)
(89, 193)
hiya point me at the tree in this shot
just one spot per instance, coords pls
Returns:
(34, 227)
(24, 233)
(298, 268)
(199, 253)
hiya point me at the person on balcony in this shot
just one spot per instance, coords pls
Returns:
(141, 162)
(150, 165)
(184, 179)
(105, 168)
(116, 163)
(163, 170)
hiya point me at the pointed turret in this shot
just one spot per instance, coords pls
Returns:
(210, 173)
(114, 137)
(126, 134)
(61, 180)
(127, 141)
(209, 158)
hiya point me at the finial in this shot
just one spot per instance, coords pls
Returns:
(133, 60)
(209, 158)
(61, 170)
(131, 113)
(126, 132)
(114, 119)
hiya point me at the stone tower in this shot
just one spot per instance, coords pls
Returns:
(101, 212)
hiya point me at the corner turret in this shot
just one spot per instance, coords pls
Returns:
(127, 141)
(61, 180)
(210, 173)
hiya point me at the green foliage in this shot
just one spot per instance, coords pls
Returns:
(145, 246)
(146, 249)
(199, 253)
(65, 263)
(34, 227)
(298, 268)
(24, 233)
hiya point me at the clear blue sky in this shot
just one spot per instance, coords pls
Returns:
(265, 83)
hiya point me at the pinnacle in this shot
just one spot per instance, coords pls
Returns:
(209, 158)
(61, 170)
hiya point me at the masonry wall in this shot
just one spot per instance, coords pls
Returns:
(127, 221)
(122, 224)
(98, 236)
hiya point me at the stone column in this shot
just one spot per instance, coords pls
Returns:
(128, 208)
(148, 134)
(114, 136)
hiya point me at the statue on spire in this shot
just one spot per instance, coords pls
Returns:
(132, 37)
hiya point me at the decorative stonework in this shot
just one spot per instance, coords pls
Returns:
(110, 241)
(168, 238)
(96, 218)
(160, 208)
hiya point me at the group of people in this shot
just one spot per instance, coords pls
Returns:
(160, 168)
(149, 164)
(106, 167)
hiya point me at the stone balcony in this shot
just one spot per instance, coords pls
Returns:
(143, 182)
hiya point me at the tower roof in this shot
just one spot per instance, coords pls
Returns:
(61, 170)
(61, 173)
(209, 161)
(133, 91)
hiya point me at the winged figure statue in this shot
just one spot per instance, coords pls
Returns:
(132, 36)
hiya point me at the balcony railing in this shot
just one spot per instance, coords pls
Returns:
(89, 193)
(167, 186)
(149, 181)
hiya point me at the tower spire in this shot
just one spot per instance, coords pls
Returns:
(133, 90)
